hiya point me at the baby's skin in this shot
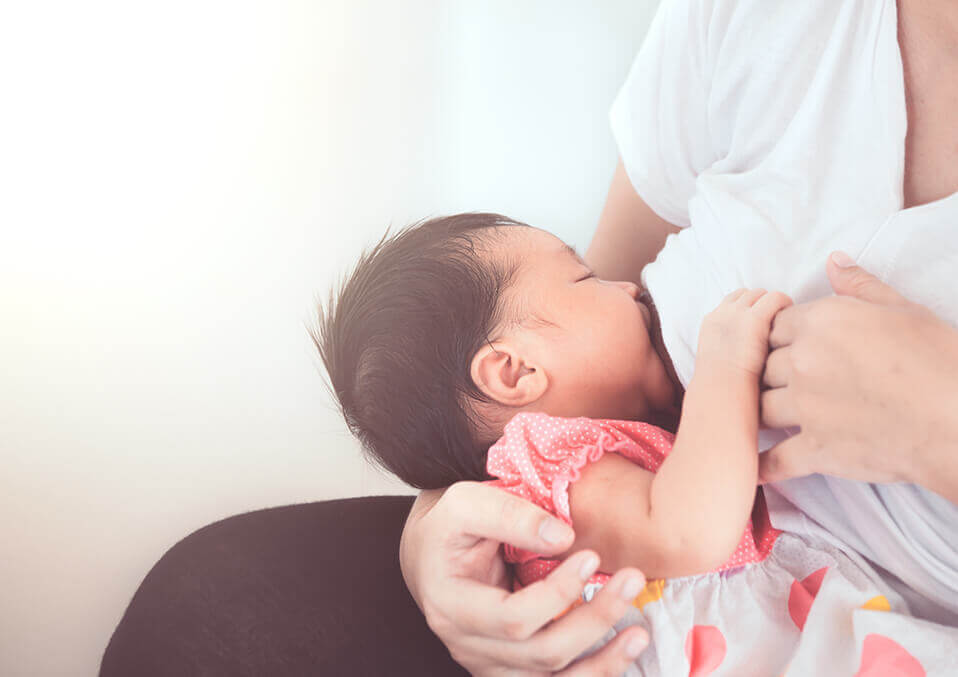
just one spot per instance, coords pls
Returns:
(582, 346)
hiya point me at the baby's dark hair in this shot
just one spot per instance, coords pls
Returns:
(398, 340)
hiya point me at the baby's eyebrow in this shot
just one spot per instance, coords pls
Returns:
(575, 254)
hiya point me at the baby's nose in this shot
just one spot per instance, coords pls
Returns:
(630, 287)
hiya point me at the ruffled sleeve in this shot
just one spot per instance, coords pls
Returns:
(538, 457)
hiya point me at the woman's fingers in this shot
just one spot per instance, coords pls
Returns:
(771, 303)
(528, 610)
(555, 647)
(484, 511)
(614, 658)
(778, 368)
(786, 325)
(787, 459)
(494, 613)
(777, 408)
(471, 608)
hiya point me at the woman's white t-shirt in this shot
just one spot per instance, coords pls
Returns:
(774, 133)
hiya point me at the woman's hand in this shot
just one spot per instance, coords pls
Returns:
(872, 379)
(450, 558)
(736, 332)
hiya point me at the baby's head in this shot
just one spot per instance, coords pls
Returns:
(449, 328)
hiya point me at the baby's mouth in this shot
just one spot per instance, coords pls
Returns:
(658, 343)
(645, 307)
(646, 314)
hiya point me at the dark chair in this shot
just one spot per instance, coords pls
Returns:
(312, 589)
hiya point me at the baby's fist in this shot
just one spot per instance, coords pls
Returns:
(736, 332)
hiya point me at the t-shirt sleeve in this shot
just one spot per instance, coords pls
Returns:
(660, 116)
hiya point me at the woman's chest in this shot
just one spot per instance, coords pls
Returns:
(930, 71)
(838, 158)
(931, 144)
(916, 249)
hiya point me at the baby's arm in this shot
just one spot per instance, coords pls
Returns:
(689, 517)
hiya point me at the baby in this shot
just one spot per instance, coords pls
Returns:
(475, 347)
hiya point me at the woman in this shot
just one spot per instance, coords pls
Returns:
(778, 134)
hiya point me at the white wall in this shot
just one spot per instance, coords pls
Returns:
(178, 182)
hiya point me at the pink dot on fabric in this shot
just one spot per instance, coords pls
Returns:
(705, 650)
(802, 595)
(882, 657)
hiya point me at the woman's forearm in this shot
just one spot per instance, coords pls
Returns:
(629, 234)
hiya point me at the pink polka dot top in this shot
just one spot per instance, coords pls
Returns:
(539, 456)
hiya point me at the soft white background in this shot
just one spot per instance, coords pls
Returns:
(178, 182)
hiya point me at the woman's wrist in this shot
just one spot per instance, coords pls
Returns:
(409, 547)
(934, 461)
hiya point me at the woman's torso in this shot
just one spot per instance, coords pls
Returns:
(814, 152)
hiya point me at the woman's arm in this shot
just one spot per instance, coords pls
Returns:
(872, 380)
(451, 560)
(689, 517)
(629, 234)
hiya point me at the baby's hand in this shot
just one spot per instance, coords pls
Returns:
(737, 331)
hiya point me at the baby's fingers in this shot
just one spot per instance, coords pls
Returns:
(771, 303)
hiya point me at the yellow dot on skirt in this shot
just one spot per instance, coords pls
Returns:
(877, 603)
(650, 593)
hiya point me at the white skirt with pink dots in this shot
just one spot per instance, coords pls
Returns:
(808, 609)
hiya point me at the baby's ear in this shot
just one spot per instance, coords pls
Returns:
(501, 373)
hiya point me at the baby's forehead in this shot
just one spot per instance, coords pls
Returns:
(529, 255)
(534, 243)
(536, 259)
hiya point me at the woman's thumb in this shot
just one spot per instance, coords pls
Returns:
(850, 279)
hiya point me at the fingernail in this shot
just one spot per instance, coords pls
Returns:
(842, 260)
(588, 567)
(631, 588)
(635, 646)
(552, 531)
